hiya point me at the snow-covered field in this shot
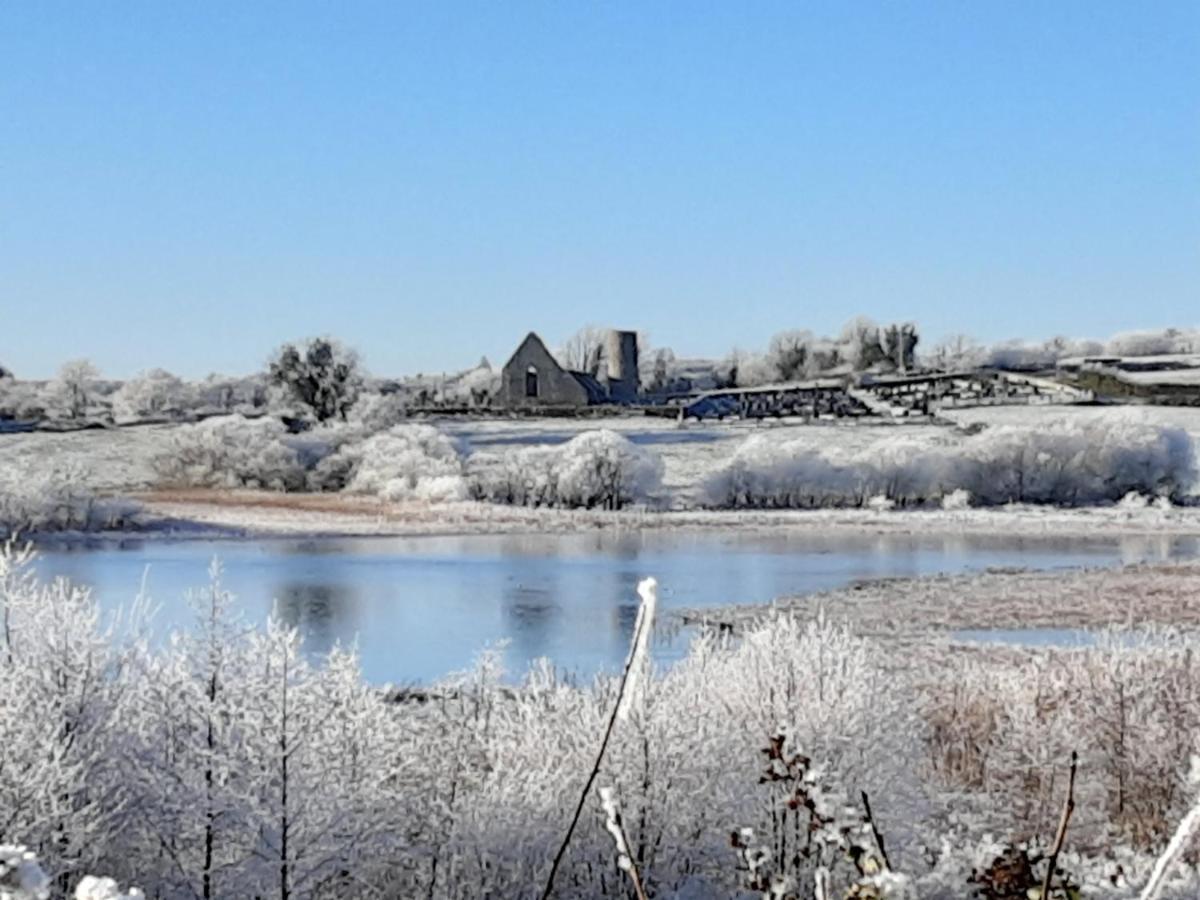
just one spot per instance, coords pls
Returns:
(1020, 601)
(121, 462)
(1185, 417)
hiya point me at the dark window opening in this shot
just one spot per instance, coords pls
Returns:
(531, 382)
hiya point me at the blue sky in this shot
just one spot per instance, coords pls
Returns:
(188, 185)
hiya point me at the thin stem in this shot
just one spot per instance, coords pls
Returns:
(646, 587)
(1068, 808)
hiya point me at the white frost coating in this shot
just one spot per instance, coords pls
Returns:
(957, 500)
(595, 469)
(232, 451)
(1067, 462)
(403, 463)
(1180, 841)
(612, 824)
(642, 627)
(92, 888)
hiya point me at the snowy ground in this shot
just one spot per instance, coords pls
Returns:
(1185, 417)
(119, 463)
(691, 450)
(117, 460)
(1025, 602)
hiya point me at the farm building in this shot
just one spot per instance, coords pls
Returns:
(533, 379)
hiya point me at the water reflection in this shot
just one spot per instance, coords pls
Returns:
(327, 615)
(419, 608)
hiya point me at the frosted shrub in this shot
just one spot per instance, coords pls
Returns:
(58, 498)
(232, 452)
(375, 412)
(405, 462)
(521, 476)
(92, 888)
(1077, 463)
(957, 500)
(596, 469)
(602, 468)
(1066, 463)
(153, 394)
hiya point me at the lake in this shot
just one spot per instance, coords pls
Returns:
(421, 607)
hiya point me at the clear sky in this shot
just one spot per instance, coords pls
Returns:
(187, 185)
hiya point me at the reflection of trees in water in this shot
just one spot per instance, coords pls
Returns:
(324, 614)
(531, 617)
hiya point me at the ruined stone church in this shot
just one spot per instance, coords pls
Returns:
(532, 378)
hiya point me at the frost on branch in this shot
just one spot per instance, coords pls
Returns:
(231, 452)
(594, 470)
(403, 463)
(57, 497)
(92, 888)
(1065, 463)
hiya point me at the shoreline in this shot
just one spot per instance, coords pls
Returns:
(261, 514)
(1021, 602)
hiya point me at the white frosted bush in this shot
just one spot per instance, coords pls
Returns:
(155, 393)
(57, 498)
(375, 412)
(402, 463)
(1134, 500)
(1065, 463)
(92, 888)
(231, 452)
(603, 468)
(596, 469)
(957, 500)
(520, 476)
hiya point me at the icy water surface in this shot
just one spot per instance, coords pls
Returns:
(420, 608)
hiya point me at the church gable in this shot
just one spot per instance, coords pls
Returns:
(532, 377)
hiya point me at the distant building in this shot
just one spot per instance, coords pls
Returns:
(533, 378)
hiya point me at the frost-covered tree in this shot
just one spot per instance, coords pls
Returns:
(319, 756)
(1154, 343)
(230, 394)
(658, 371)
(862, 343)
(584, 350)
(899, 344)
(790, 355)
(66, 696)
(21, 399)
(323, 377)
(72, 391)
(153, 393)
(956, 353)
(194, 762)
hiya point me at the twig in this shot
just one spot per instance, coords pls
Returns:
(1165, 863)
(647, 589)
(875, 832)
(1068, 808)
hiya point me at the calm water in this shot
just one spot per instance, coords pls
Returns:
(419, 608)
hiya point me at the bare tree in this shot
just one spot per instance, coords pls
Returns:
(956, 353)
(790, 354)
(584, 350)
